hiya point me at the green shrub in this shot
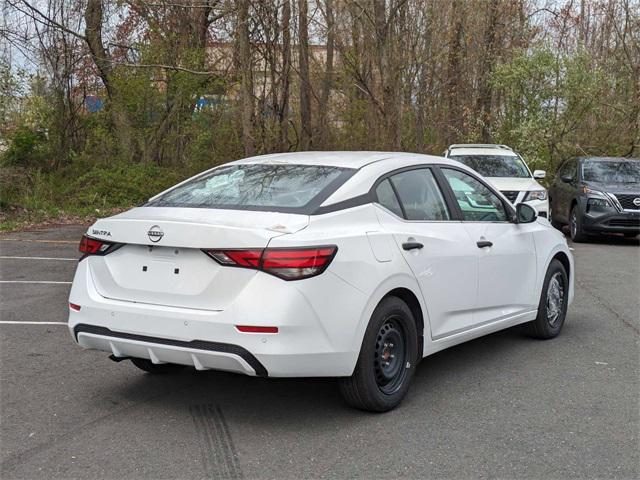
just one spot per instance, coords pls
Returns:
(119, 185)
(27, 148)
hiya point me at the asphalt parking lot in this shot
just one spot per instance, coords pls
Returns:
(503, 406)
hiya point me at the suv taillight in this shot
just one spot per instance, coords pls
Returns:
(92, 246)
(285, 263)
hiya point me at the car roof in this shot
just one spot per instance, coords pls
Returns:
(342, 159)
(609, 159)
(482, 150)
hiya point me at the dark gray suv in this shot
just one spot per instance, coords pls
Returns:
(596, 195)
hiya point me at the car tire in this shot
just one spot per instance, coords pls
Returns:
(554, 223)
(156, 368)
(575, 226)
(552, 308)
(387, 359)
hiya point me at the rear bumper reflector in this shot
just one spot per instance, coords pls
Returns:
(243, 353)
(253, 329)
(74, 306)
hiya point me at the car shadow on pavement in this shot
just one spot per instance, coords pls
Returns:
(280, 402)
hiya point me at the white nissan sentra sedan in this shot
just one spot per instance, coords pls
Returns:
(318, 264)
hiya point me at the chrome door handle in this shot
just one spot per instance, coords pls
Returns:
(412, 246)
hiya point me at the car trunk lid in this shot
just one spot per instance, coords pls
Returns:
(161, 261)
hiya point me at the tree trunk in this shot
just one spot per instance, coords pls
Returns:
(93, 33)
(246, 78)
(453, 74)
(328, 76)
(485, 96)
(283, 114)
(305, 86)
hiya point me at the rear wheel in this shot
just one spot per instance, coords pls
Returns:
(552, 308)
(387, 360)
(156, 368)
(575, 226)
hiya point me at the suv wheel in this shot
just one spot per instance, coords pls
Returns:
(387, 360)
(575, 226)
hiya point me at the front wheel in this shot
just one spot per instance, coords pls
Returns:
(387, 360)
(554, 299)
(575, 226)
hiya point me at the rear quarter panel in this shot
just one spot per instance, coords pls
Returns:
(345, 312)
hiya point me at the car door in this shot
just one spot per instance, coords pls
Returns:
(436, 246)
(506, 250)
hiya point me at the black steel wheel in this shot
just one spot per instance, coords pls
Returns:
(390, 356)
(387, 359)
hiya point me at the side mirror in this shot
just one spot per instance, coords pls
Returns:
(539, 174)
(566, 178)
(525, 213)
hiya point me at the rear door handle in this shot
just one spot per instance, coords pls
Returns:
(412, 246)
(484, 243)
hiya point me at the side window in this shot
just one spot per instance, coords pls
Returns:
(420, 196)
(477, 202)
(387, 198)
(568, 168)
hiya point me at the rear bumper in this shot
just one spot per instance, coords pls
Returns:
(312, 340)
(202, 355)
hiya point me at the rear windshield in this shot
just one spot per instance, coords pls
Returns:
(624, 171)
(284, 188)
(495, 165)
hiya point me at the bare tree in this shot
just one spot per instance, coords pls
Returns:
(305, 82)
(246, 77)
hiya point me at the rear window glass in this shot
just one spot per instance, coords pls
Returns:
(495, 165)
(257, 186)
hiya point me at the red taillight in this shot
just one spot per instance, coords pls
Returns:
(286, 263)
(243, 258)
(74, 306)
(92, 246)
(256, 329)
(296, 263)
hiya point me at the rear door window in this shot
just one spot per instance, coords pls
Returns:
(387, 197)
(287, 188)
(420, 195)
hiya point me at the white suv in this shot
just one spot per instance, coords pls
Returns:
(506, 170)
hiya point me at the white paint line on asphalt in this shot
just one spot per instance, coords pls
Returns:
(9, 322)
(35, 281)
(8, 257)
